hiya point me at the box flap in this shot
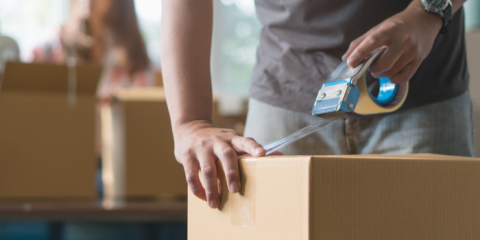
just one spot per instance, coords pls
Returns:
(49, 77)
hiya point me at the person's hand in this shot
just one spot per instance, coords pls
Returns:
(199, 144)
(408, 37)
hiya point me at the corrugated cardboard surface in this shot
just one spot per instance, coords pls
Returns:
(151, 168)
(347, 197)
(146, 149)
(277, 210)
(46, 145)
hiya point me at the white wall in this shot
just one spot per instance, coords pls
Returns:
(32, 22)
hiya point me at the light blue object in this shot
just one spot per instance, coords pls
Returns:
(326, 106)
(327, 84)
(340, 93)
(352, 100)
(386, 93)
(329, 105)
(472, 14)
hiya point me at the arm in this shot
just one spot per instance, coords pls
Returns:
(409, 37)
(186, 41)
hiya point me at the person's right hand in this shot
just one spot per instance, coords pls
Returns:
(198, 144)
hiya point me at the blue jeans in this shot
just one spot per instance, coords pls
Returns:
(444, 128)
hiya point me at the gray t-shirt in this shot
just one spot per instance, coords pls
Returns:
(302, 42)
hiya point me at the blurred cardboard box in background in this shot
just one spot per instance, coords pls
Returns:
(138, 148)
(362, 197)
(47, 148)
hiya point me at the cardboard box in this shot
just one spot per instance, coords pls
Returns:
(138, 149)
(138, 158)
(361, 197)
(46, 142)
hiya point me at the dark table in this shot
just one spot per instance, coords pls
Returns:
(140, 211)
(136, 221)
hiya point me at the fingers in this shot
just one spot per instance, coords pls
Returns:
(227, 155)
(352, 47)
(200, 150)
(398, 66)
(406, 73)
(209, 173)
(388, 59)
(191, 168)
(354, 44)
(396, 63)
(248, 145)
(369, 44)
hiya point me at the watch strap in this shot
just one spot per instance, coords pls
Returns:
(447, 19)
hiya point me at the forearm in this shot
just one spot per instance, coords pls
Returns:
(186, 43)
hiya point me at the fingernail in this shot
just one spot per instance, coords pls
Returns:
(259, 150)
(213, 203)
(234, 188)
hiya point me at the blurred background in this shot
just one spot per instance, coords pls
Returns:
(34, 22)
(67, 33)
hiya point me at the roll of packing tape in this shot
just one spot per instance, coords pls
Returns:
(391, 97)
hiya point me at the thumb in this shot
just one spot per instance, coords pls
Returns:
(247, 145)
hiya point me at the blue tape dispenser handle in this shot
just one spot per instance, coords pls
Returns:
(346, 92)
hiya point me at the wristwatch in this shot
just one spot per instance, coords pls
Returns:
(442, 8)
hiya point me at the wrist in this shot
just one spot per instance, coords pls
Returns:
(192, 125)
(432, 21)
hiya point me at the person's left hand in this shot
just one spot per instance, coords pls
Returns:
(408, 37)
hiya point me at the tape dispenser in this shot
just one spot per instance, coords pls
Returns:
(346, 92)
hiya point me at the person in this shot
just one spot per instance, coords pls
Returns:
(102, 32)
(301, 43)
(105, 32)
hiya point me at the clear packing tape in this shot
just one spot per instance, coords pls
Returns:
(283, 142)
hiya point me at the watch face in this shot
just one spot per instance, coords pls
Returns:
(435, 4)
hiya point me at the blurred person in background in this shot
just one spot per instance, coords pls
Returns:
(104, 32)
